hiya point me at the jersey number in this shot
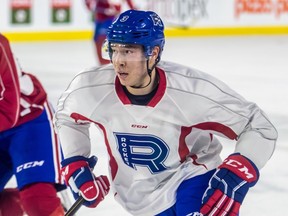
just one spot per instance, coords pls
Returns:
(142, 150)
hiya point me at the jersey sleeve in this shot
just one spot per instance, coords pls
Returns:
(33, 97)
(9, 87)
(222, 111)
(71, 129)
(74, 111)
(242, 120)
(22, 96)
(255, 134)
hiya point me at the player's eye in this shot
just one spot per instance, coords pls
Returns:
(129, 51)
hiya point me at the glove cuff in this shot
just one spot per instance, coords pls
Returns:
(242, 167)
(70, 160)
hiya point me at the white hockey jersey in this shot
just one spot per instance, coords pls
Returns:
(154, 148)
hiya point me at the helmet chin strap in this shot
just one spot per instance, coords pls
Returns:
(149, 73)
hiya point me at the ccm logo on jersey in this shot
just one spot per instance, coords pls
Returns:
(240, 167)
(139, 126)
(29, 165)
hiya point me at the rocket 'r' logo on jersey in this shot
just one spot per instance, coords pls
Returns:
(142, 150)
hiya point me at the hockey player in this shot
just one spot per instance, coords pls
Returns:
(104, 12)
(29, 148)
(160, 122)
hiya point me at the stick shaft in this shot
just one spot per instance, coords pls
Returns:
(75, 207)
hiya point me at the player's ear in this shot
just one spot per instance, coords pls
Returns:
(155, 53)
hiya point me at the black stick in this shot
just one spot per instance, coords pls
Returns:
(75, 207)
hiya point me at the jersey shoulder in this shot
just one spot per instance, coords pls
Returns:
(93, 77)
(190, 80)
(184, 72)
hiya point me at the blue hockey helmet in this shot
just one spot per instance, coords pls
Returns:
(137, 27)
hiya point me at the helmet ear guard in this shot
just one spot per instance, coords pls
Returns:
(136, 27)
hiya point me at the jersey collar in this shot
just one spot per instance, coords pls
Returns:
(155, 100)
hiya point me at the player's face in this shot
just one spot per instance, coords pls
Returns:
(130, 64)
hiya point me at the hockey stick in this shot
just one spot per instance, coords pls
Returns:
(75, 207)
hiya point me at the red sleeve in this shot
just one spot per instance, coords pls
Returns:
(34, 102)
(9, 87)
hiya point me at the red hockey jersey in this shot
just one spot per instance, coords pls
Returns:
(21, 94)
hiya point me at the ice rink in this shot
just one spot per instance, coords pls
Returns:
(255, 66)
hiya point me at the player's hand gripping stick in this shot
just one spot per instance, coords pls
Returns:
(78, 175)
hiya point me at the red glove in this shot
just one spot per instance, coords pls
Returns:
(78, 175)
(228, 186)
